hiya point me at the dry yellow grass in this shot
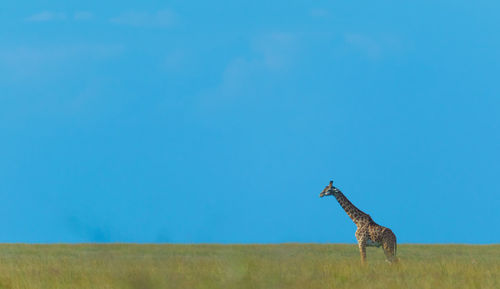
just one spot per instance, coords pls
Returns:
(245, 266)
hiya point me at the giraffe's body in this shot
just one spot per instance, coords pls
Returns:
(368, 232)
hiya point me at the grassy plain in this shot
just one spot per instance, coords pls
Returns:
(288, 266)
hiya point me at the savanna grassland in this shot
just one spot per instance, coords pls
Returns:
(246, 266)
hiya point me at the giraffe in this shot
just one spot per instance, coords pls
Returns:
(368, 232)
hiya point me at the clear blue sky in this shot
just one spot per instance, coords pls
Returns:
(222, 121)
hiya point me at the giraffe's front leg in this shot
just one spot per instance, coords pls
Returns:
(362, 249)
(362, 237)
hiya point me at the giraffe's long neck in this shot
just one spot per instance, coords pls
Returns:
(356, 215)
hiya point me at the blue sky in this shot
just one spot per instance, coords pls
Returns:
(222, 121)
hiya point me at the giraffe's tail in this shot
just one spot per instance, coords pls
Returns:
(396, 259)
(395, 246)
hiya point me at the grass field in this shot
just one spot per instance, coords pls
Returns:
(246, 266)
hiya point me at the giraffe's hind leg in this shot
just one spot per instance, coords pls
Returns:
(389, 245)
(389, 251)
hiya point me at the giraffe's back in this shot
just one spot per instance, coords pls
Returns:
(378, 234)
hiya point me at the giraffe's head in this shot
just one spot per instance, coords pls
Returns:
(329, 190)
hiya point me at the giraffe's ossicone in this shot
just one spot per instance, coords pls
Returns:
(368, 233)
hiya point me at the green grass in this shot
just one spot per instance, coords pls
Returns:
(246, 266)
